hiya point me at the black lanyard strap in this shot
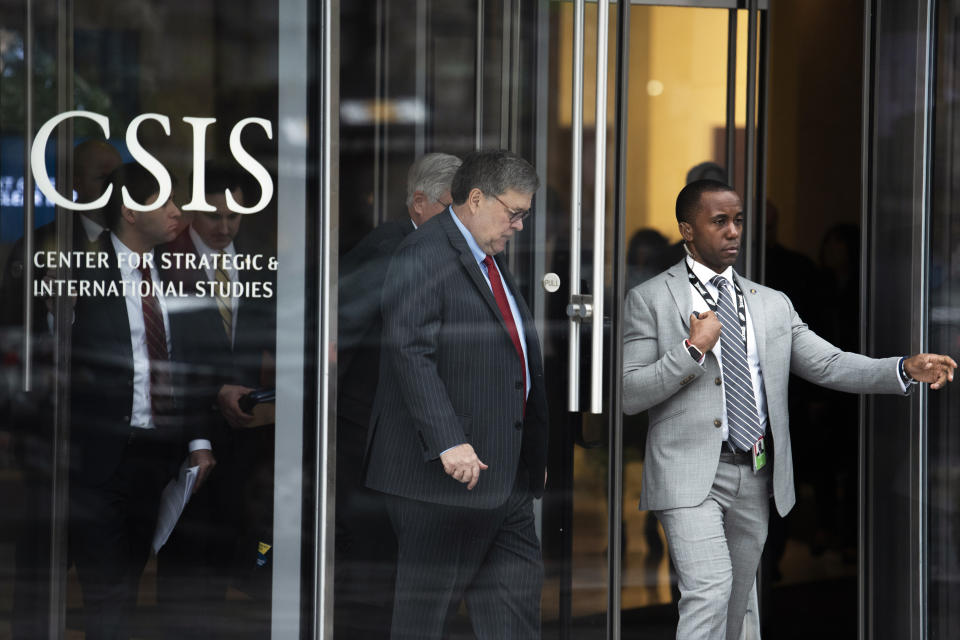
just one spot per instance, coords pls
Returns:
(705, 294)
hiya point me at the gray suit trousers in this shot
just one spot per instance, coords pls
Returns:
(716, 549)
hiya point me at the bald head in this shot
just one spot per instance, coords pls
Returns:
(93, 161)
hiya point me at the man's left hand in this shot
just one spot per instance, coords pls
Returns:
(932, 368)
(204, 459)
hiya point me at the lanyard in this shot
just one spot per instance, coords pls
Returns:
(741, 307)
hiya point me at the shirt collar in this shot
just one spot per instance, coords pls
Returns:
(202, 247)
(91, 228)
(123, 250)
(705, 273)
(478, 253)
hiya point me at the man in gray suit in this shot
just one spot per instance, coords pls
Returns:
(458, 435)
(709, 353)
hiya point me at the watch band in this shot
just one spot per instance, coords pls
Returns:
(695, 353)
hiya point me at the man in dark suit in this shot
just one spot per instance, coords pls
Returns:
(366, 548)
(194, 568)
(458, 435)
(708, 353)
(131, 422)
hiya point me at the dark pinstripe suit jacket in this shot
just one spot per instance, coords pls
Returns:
(449, 374)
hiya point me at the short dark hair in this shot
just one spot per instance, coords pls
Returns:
(139, 182)
(688, 200)
(494, 172)
(219, 177)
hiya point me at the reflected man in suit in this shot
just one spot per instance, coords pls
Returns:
(709, 354)
(130, 426)
(458, 435)
(194, 568)
(366, 549)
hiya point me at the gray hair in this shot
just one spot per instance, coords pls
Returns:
(494, 172)
(432, 174)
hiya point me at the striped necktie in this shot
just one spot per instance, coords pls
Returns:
(225, 301)
(161, 387)
(742, 416)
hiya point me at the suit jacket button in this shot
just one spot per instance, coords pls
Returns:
(519, 385)
(126, 419)
(717, 423)
(518, 425)
(717, 381)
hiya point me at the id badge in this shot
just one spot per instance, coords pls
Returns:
(759, 455)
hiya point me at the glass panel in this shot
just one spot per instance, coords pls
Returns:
(677, 133)
(430, 76)
(183, 113)
(944, 337)
(813, 255)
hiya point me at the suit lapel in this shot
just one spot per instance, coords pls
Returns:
(754, 302)
(679, 287)
(470, 264)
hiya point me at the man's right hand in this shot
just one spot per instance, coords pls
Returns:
(461, 463)
(228, 399)
(704, 330)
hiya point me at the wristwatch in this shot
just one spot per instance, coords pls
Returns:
(695, 353)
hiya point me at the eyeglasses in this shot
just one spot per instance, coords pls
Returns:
(515, 215)
(445, 205)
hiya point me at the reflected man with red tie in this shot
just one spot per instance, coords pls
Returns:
(129, 416)
(458, 435)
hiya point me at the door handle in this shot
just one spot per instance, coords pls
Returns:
(587, 308)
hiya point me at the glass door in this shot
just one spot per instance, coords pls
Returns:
(193, 119)
(423, 76)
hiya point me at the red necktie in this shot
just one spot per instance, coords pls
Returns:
(161, 400)
(501, 297)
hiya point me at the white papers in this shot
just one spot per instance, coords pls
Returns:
(172, 501)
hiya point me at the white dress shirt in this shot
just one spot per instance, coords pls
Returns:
(753, 358)
(141, 416)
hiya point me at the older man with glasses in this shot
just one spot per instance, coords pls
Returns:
(458, 436)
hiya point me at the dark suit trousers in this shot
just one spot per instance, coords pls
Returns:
(111, 530)
(489, 557)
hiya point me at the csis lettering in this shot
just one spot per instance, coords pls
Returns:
(151, 164)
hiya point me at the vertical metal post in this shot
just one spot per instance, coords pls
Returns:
(763, 112)
(379, 124)
(867, 180)
(926, 22)
(478, 103)
(599, 209)
(420, 139)
(749, 195)
(506, 78)
(329, 147)
(731, 130)
(27, 345)
(60, 452)
(576, 204)
(615, 416)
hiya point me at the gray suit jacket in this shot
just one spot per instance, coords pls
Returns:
(685, 400)
(449, 374)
